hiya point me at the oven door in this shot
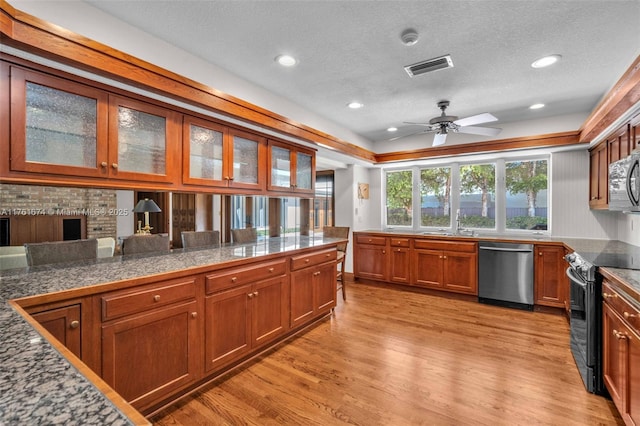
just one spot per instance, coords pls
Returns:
(583, 327)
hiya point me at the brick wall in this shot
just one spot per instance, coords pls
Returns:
(97, 205)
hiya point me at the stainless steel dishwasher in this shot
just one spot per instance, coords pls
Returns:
(505, 274)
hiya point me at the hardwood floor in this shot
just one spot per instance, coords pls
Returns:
(391, 357)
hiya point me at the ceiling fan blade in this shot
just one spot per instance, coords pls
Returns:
(476, 130)
(429, 125)
(406, 136)
(476, 119)
(439, 139)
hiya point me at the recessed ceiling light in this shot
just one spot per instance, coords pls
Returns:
(286, 60)
(546, 61)
(355, 105)
(392, 129)
(536, 106)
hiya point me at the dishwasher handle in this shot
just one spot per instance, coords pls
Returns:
(507, 249)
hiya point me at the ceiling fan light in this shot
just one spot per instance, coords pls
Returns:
(545, 61)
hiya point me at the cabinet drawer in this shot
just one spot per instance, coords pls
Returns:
(621, 306)
(367, 239)
(445, 245)
(399, 242)
(303, 261)
(127, 302)
(238, 276)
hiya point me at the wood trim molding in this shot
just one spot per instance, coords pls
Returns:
(552, 139)
(623, 96)
(24, 31)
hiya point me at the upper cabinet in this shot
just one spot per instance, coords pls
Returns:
(598, 177)
(64, 127)
(291, 168)
(215, 155)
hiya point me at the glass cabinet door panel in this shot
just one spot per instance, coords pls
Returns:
(280, 167)
(60, 127)
(245, 160)
(304, 170)
(205, 153)
(141, 141)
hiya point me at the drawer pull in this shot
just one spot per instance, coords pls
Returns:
(627, 315)
(234, 279)
(608, 295)
(74, 324)
(619, 335)
(315, 274)
(328, 255)
(307, 260)
(271, 269)
(156, 298)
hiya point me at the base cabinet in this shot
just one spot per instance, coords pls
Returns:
(621, 353)
(446, 265)
(400, 256)
(370, 258)
(64, 323)
(551, 283)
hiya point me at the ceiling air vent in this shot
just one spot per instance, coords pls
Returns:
(429, 65)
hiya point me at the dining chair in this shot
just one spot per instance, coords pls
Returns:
(149, 243)
(106, 246)
(12, 257)
(339, 232)
(246, 235)
(61, 251)
(192, 239)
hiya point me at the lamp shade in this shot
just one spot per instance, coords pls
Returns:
(146, 206)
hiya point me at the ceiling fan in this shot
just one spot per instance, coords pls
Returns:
(443, 124)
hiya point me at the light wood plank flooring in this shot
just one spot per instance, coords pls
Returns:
(392, 357)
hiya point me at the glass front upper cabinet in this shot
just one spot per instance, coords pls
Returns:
(57, 126)
(144, 140)
(291, 168)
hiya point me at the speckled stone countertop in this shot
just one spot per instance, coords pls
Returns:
(38, 385)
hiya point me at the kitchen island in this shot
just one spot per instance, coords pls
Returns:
(38, 385)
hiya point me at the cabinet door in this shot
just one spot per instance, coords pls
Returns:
(246, 160)
(204, 162)
(612, 353)
(371, 262)
(305, 171)
(325, 287)
(302, 299)
(144, 141)
(460, 272)
(270, 310)
(64, 324)
(633, 378)
(551, 285)
(227, 326)
(148, 356)
(280, 165)
(57, 126)
(399, 266)
(290, 169)
(599, 177)
(428, 268)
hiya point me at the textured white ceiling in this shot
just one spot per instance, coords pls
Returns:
(351, 50)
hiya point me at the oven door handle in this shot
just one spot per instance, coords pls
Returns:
(572, 276)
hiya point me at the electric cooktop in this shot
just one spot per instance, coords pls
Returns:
(613, 260)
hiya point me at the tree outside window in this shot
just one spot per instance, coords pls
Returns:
(477, 198)
(526, 205)
(435, 197)
(399, 186)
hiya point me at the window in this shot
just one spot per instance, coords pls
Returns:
(435, 197)
(526, 194)
(399, 188)
(477, 196)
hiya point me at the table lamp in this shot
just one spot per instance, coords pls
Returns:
(146, 206)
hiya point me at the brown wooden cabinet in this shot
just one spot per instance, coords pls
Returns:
(619, 143)
(551, 283)
(599, 177)
(621, 352)
(64, 323)
(313, 285)
(245, 308)
(151, 340)
(444, 265)
(400, 259)
(370, 258)
(290, 168)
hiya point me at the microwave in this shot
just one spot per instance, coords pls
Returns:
(624, 184)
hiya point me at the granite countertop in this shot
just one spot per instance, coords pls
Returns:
(37, 384)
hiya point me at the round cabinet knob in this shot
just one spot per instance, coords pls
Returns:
(234, 279)
(104, 164)
(74, 324)
(114, 165)
(250, 295)
(271, 269)
(627, 315)
(194, 315)
(255, 293)
(156, 298)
